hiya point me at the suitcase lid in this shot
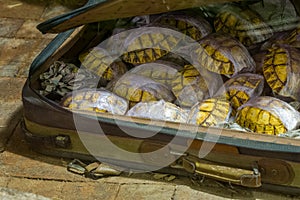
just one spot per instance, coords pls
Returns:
(101, 10)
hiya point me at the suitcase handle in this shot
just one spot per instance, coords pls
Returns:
(243, 177)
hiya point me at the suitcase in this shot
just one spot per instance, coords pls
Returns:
(247, 159)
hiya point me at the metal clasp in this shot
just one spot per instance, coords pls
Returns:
(94, 170)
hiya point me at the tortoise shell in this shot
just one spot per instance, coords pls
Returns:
(268, 115)
(102, 64)
(159, 110)
(189, 86)
(99, 100)
(147, 45)
(210, 112)
(281, 69)
(161, 71)
(296, 105)
(191, 24)
(293, 38)
(242, 23)
(241, 88)
(136, 88)
(222, 54)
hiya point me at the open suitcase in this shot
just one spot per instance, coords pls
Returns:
(138, 144)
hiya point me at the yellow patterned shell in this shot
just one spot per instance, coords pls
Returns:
(268, 115)
(244, 24)
(293, 38)
(241, 88)
(191, 24)
(161, 71)
(136, 88)
(210, 112)
(159, 110)
(102, 64)
(189, 87)
(222, 54)
(100, 100)
(148, 46)
(281, 69)
(288, 38)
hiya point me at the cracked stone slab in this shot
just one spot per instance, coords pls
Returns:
(15, 50)
(10, 106)
(4, 181)
(9, 26)
(11, 90)
(29, 30)
(65, 190)
(21, 9)
(10, 194)
(185, 192)
(91, 190)
(16, 55)
(146, 191)
(47, 188)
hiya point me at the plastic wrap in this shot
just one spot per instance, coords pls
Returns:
(99, 61)
(268, 115)
(241, 88)
(281, 68)
(189, 23)
(62, 78)
(220, 53)
(136, 88)
(99, 100)
(161, 71)
(190, 87)
(148, 44)
(159, 110)
(210, 112)
(281, 15)
(242, 23)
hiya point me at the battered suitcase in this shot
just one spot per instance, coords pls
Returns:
(138, 144)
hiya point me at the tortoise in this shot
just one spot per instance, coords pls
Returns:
(291, 38)
(95, 100)
(296, 105)
(281, 69)
(137, 88)
(62, 78)
(190, 86)
(241, 88)
(102, 64)
(210, 112)
(161, 71)
(159, 110)
(242, 23)
(223, 54)
(148, 44)
(189, 23)
(268, 115)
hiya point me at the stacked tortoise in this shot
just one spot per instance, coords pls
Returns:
(220, 81)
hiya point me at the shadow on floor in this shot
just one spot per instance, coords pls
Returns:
(7, 132)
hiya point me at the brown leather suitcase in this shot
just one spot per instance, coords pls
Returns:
(247, 159)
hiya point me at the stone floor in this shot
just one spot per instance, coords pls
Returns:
(25, 174)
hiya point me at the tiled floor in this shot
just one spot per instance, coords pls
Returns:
(26, 171)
